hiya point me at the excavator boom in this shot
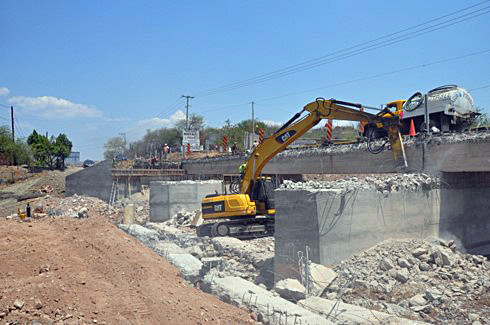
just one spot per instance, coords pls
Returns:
(318, 110)
(252, 210)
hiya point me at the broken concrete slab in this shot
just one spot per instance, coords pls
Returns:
(209, 263)
(268, 307)
(321, 277)
(197, 220)
(170, 233)
(163, 248)
(343, 313)
(143, 234)
(234, 245)
(188, 265)
(290, 289)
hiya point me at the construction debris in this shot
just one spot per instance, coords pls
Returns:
(290, 289)
(383, 184)
(425, 280)
(435, 139)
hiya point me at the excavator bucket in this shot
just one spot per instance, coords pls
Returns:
(396, 142)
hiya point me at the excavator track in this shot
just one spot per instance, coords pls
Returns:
(241, 228)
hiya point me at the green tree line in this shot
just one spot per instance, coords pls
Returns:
(154, 140)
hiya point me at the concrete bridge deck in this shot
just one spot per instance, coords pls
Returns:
(433, 157)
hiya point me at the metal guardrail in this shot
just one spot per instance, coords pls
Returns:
(147, 172)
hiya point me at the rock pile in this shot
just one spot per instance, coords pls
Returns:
(461, 137)
(183, 218)
(223, 256)
(424, 280)
(82, 205)
(385, 184)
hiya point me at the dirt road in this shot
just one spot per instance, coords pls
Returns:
(87, 271)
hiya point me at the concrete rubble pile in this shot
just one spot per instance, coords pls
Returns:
(461, 137)
(425, 280)
(74, 206)
(80, 207)
(183, 218)
(385, 183)
(223, 256)
(240, 272)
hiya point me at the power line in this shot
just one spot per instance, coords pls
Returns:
(356, 49)
(378, 75)
(478, 88)
(374, 76)
(337, 58)
(18, 126)
(219, 108)
(170, 108)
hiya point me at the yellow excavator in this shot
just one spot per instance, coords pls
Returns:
(250, 213)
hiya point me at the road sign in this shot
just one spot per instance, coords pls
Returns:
(192, 138)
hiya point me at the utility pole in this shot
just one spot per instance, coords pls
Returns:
(187, 111)
(13, 133)
(123, 135)
(253, 121)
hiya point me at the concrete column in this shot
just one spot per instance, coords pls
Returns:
(465, 210)
(336, 224)
(129, 214)
(168, 198)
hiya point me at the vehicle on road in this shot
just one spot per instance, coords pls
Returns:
(88, 163)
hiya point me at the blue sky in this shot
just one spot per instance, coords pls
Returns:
(94, 69)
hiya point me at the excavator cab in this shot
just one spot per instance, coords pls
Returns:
(263, 194)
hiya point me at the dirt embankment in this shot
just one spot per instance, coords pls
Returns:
(17, 195)
(86, 271)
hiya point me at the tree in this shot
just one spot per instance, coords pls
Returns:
(8, 148)
(23, 152)
(113, 147)
(62, 148)
(42, 149)
(49, 152)
(196, 123)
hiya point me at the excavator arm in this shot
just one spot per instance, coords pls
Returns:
(318, 110)
(250, 213)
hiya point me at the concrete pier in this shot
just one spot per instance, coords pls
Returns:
(167, 198)
(336, 224)
(465, 210)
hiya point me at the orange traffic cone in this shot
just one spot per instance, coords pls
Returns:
(412, 129)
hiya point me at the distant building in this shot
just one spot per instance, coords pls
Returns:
(73, 158)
